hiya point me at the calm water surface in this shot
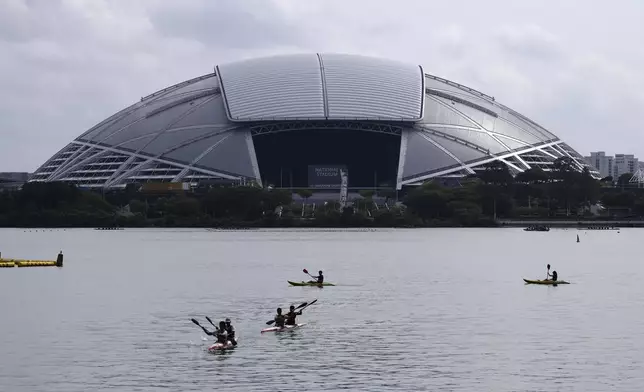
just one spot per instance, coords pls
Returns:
(414, 310)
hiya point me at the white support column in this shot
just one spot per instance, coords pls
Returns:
(402, 155)
(253, 157)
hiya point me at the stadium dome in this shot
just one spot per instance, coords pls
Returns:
(283, 120)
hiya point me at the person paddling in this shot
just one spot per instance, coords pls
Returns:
(231, 331)
(291, 315)
(280, 319)
(318, 279)
(548, 272)
(554, 275)
(222, 335)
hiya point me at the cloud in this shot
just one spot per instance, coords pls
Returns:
(240, 25)
(529, 41)
(68, 64)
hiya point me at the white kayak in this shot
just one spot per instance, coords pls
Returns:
(221, 347)
(283, 329)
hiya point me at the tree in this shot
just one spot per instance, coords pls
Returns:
(367, 193)
(534, 175)
(387, 194)
(428, 201)
(564, 168)
(304, 193)
(184, 206)
(624, 179)
(138, 206)
(588, 188)
(497, 173)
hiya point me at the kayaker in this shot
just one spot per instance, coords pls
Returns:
(290, 316)
(222, 335)
(280, 319)
(231, 331)
(554, 275)
(318, 279)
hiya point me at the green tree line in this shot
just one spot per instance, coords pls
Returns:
(477, 200)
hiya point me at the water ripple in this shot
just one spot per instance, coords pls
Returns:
(414, 310)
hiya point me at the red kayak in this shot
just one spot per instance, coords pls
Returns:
(221, 347)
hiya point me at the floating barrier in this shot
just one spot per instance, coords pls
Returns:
(9, 263)
(35, 263)
(108, 228)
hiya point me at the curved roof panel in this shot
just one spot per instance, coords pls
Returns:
(368, 88)
(279, 87)
(322, 86)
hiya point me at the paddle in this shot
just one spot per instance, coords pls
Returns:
(210, 321)
(301, 306)
(307, 272)
(200, 326)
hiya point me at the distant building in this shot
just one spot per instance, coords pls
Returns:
(625, 163)
(615, 166)
(12, 180)
(600, 161)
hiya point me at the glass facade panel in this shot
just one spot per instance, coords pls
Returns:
(168, 140)
(187, 154)
(422, 156)
(461, 151)
(231, 156)
(150, 125)
(478, 138)
(441, 113)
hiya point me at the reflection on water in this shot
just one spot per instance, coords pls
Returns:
(413, 310)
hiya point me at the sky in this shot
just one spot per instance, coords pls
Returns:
(573, 66)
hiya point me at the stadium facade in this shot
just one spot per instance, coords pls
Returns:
(283, 120)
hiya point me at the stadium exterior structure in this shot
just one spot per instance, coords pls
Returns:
(205, 129)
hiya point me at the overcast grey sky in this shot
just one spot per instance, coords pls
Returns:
(573, 66)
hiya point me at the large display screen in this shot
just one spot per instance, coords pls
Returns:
(325, 176)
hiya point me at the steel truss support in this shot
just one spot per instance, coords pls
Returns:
(264, 129)
(501, 157)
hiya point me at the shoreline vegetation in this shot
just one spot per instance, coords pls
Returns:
(492, 197)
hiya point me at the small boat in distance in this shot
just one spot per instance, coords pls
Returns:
(537, 228)
(545, 282)
(309, 283)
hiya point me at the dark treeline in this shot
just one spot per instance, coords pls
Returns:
(478, 200)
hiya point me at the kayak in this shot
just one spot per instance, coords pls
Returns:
(548, 282)
(286, 328)
(303, 283)
(221, 347)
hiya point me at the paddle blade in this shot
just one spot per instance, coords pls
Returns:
(196, 322)
(210, 321)
(270, 322)
(303, 304)
(305, 271)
